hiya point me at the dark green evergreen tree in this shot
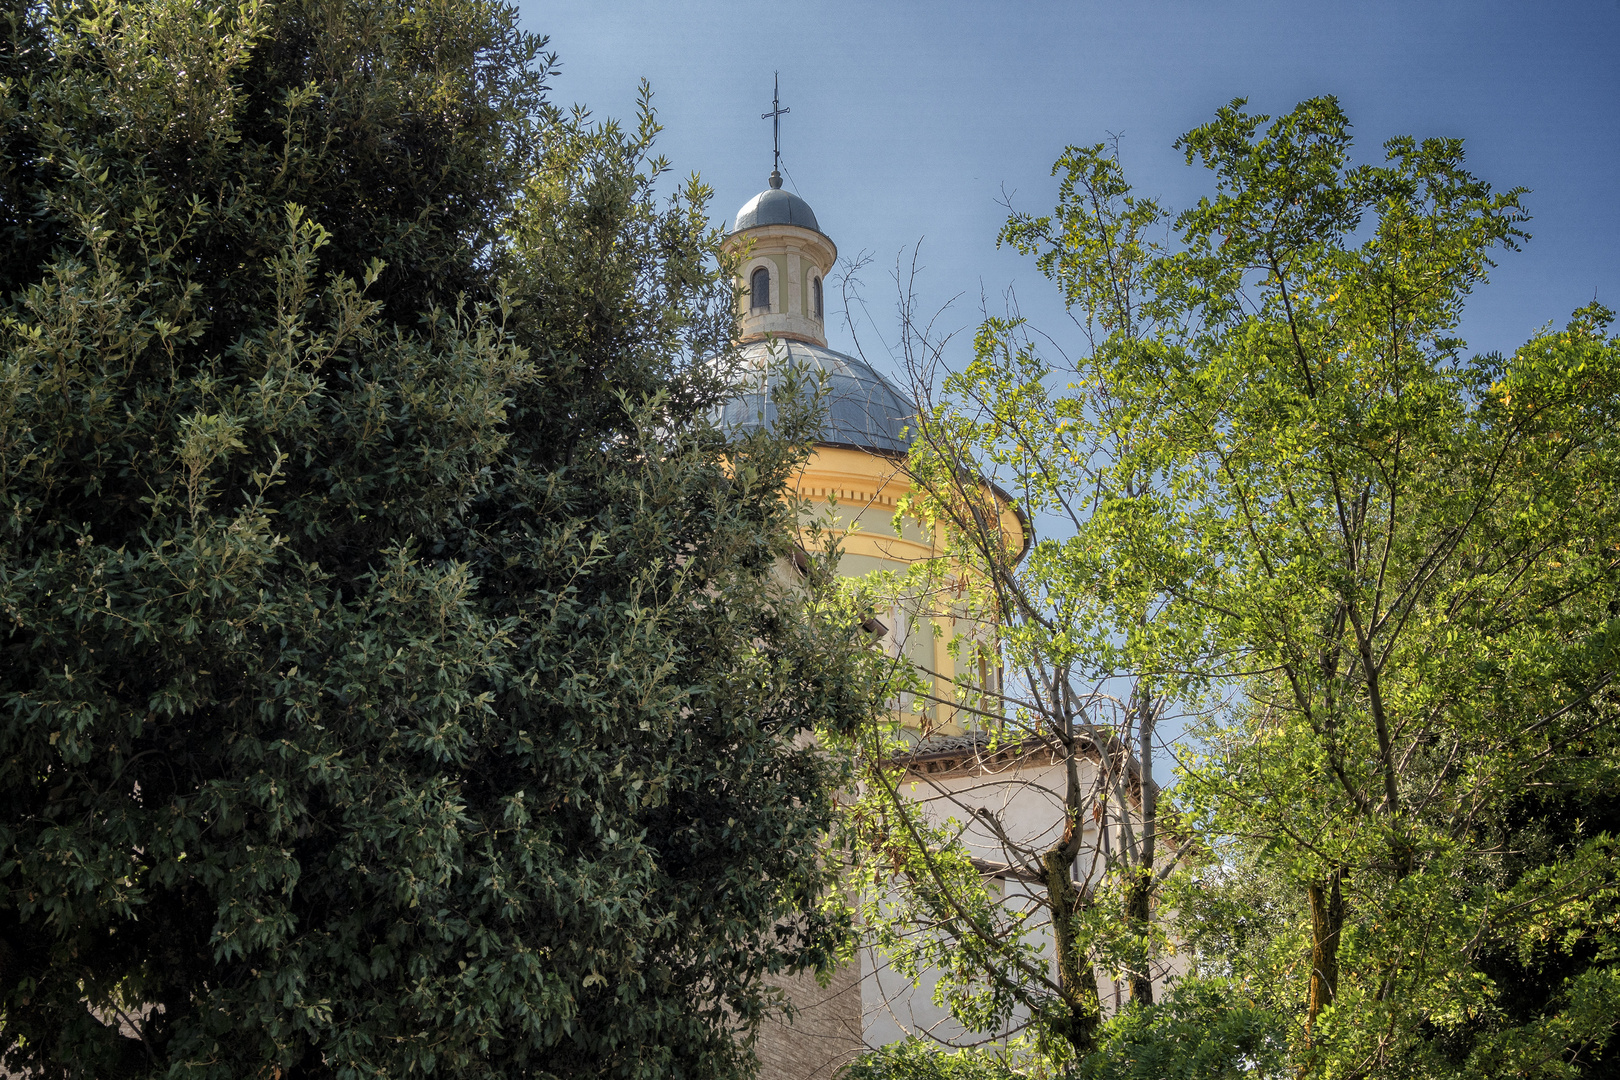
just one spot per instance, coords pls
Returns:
(393, 679)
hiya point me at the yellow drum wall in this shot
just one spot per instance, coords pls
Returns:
(867, 488)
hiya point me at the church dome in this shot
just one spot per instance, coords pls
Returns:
(773, 206)
(864, 410)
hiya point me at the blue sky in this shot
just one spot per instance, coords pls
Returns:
(910, 121)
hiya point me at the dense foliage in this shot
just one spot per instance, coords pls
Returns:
(1274, 489)
(393, 677)
(913, 1059)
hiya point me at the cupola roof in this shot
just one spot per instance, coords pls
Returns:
(864, 410)
(774, 206)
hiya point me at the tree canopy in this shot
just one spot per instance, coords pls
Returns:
(1274, 489)
(393, 678)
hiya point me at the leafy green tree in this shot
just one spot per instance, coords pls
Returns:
(1013, 893)
(1382, 568)
(1021, 893)
(913, 1059)
(393, 674)
(1541, 974)
(1199, 1028)
(1403, 552)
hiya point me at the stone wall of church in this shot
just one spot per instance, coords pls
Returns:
(823, 1037)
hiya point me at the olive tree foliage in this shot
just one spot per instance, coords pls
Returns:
(1381, 568)
(393, 676)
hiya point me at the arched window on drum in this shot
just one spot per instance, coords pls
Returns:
(760, 290)
(815, 296)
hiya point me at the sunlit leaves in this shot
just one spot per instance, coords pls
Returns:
(1271, 482)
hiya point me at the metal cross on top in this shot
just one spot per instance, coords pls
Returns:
(775, 117)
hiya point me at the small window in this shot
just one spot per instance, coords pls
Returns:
(760, 287)
(815, 290)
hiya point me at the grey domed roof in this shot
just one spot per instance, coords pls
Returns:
(863, 409)
(774, 206)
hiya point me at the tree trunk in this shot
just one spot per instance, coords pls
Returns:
(1139, 897)
(1327, 922)
(1077, 979)
(1138, 909)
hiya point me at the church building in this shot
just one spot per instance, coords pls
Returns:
(855, 478)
